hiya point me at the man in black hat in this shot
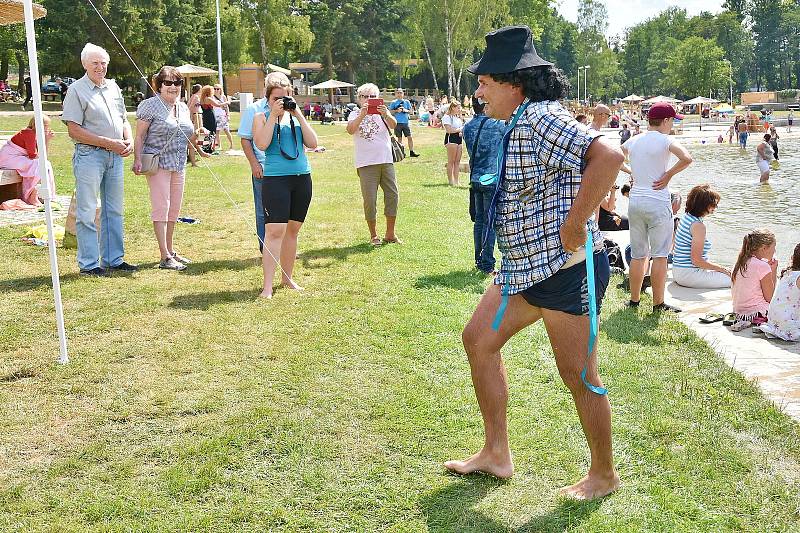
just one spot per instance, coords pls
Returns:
(550, 182)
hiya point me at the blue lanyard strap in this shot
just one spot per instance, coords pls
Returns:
(593, 321)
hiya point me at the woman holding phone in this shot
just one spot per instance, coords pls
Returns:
(453, 126)
(281, 133)
(370, 127)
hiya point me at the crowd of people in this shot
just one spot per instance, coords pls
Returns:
(540, 179)
(658, 237)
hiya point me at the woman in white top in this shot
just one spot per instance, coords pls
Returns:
(373, 158)
(764, 155)
(453, 126)
(222, 114)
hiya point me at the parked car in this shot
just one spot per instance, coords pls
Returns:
(51, 87)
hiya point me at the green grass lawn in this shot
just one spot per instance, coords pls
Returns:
(191, 405)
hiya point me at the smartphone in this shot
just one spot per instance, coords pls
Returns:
(372, 105)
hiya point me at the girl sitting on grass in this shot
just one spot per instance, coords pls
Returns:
(784, 309)
(754, 278)
(21, 154)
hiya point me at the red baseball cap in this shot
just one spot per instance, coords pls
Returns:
(663, 110)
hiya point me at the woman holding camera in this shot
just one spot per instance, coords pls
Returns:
(453, 126)
(164, 127)
(282, 133)
(370, 127)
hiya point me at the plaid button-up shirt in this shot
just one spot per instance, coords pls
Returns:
(542, 174)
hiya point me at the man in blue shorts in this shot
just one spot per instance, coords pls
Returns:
(554, 174)
(401, 107)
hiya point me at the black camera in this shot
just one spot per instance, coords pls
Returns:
(289, 104)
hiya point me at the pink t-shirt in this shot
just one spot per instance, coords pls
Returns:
(371, 141)
(748, 298)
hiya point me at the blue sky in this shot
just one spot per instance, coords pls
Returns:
(625, 13)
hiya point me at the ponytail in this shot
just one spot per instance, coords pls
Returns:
(751, 242)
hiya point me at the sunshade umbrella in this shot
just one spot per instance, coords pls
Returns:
(13, 12)
(632, 98)
(700, 100)
(331, 85)
(661, 98)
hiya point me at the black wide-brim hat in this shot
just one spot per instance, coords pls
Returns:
(508, 49)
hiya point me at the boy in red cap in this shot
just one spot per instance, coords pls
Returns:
(649, 210)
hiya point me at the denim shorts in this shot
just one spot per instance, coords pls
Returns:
(567, 289)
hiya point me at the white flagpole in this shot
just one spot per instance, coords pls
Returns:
(219, 52)
(43, 177)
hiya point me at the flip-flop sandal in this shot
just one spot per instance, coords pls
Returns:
(376, 241)
(729, 319)
(710, 318)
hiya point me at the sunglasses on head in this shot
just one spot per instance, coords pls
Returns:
(170, 83)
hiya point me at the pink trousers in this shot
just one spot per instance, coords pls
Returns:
(166, 195)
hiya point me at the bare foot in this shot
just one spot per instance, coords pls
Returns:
(592, 487)
(484, 462)
(266, 294)
(291, 285)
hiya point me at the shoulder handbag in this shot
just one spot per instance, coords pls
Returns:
(150, 162)
(398, 151)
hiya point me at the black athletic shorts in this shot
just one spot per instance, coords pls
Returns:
(452, 138)
(567, 289)
(286, 198)
(402, 129)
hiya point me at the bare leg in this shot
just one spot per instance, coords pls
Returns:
(289, 254)
(192, 156)
(410, 144)
(373, 230)
(390, 222)
(482, 345)
(457, 165)
(637, 270)
(160, 229)
(272, 250)
(170, 233)
(569, 337)
(764, 177)
(658, 279)
(230, 138)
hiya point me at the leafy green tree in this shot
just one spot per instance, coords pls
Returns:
(696, 67)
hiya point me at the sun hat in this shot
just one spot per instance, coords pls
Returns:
(663, 110)
(508, 49)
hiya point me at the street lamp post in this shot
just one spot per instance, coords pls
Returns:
(730, 79)
(585, 77)
(579, 86)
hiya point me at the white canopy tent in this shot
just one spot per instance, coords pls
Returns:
(13, 12)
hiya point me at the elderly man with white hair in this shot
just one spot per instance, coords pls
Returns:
(94, 112)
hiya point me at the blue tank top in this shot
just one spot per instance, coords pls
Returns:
(682, 256)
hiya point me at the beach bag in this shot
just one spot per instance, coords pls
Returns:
(150, 162)
(398, 151)
(70, 232)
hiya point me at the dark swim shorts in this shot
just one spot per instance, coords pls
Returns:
(567, 290)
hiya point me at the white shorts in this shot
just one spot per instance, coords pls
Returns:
(651, 227)
(763, 165)
(699, 278)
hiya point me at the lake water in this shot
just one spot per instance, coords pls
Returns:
(745, 205)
